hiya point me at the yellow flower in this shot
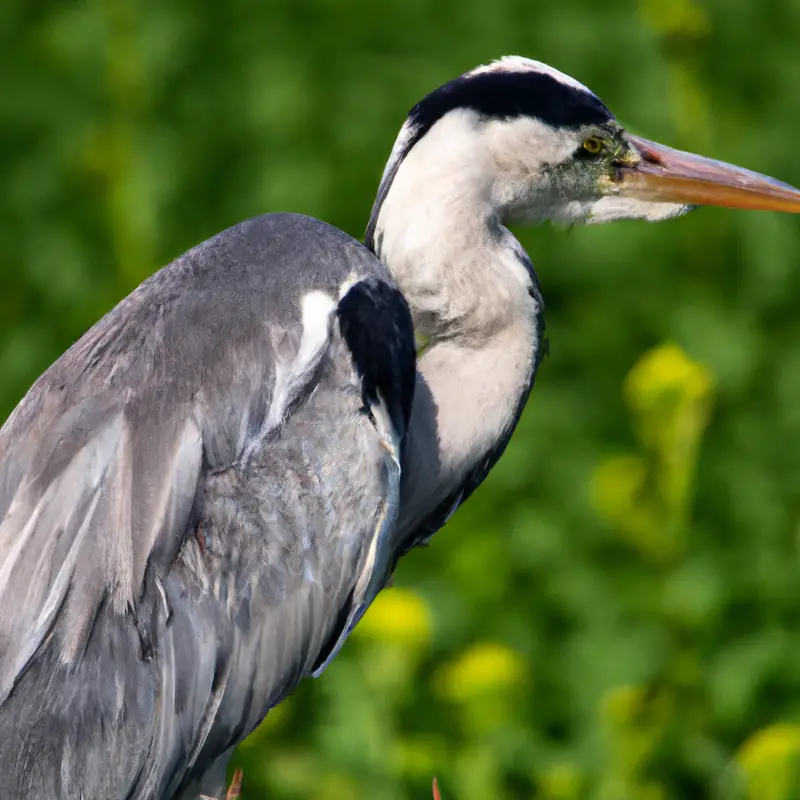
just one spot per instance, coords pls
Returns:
(670, 396)
(646, 497)
(770, 762)
(666, 371)
(398, 616)
(483, 668)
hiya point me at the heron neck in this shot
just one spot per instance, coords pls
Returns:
(476, 370)
(474, 296)
(438, 229)
(467, 402)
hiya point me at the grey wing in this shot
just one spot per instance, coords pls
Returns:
(98, 515)
(195, 501)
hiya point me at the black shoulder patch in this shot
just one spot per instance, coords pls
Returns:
(376, 324)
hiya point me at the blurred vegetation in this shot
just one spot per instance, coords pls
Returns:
(615, 615)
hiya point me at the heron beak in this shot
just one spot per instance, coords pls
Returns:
(660, 174)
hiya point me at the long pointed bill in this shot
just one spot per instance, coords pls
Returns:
(665, 175)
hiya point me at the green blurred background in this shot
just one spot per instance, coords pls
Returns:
(615, 614)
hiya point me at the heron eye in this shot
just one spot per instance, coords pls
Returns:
(593, 145)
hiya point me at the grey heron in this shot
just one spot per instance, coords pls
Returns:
(201, 497)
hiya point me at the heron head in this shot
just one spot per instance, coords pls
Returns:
(532, 144)
(612, 174)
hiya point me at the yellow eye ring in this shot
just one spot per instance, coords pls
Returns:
(593, 145)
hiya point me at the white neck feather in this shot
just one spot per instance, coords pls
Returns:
(465, 403)
(470, 288)
(439, 232)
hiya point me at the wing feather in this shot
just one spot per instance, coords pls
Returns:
(70, 543)
(195, 506)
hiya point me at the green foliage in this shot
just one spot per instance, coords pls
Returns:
(615, 614)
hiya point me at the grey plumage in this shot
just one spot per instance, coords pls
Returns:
(150, 513)
(200, 499)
